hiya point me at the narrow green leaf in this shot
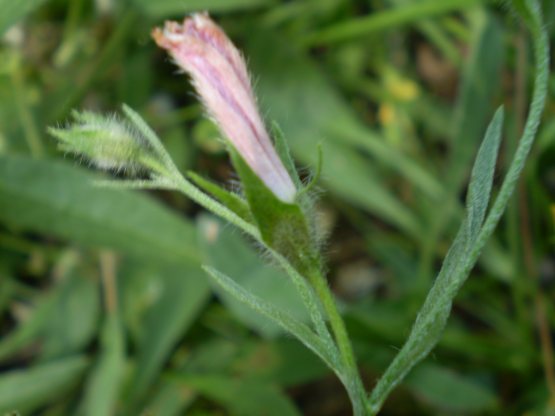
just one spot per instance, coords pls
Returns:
(184, 292)
(103, 386)
(229, 199)
(437, 35)
(167, 8)
(476, 99)
(242, 397)
(28, 330)
(481, 179)
(224, 249)
(212, 356)
(172, 399)
(58, 199)
(430, 321)
(73, 320)
(25, 390)
(432, 317)
(388, 19)
(302, 332)
(451, 392)
(13, 11)
(64, 319)
(288, 363)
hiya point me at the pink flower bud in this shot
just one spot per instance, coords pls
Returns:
(220, 76)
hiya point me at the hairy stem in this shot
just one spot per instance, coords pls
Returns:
(351, 379)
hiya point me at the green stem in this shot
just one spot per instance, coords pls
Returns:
(312, 302)
(351, 379)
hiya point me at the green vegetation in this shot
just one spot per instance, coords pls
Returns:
(125, 302)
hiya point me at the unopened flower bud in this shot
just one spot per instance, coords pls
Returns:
(107, 142)
(220, 76)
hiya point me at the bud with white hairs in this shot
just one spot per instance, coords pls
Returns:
(220, 76)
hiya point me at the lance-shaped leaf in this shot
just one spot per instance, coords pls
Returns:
(301, 331)
(481, 180)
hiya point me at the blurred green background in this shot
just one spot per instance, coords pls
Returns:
(104, 309)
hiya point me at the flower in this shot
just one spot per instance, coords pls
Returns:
(220, 76)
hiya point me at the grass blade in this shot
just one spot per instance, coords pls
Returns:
(25, 390)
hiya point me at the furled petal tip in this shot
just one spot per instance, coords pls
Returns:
(220, 76)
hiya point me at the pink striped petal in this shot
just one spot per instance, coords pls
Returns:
(220, 76)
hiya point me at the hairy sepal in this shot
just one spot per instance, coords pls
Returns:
(283, 226)
(231, 200)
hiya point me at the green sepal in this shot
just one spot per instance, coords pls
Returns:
(232, 201)
(282, 226)
(282, 148)
(316, 175)
(284, 153)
